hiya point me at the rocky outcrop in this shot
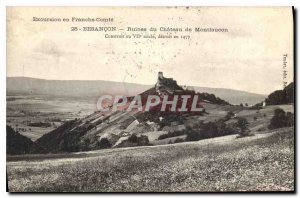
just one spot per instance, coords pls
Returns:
(166, 85)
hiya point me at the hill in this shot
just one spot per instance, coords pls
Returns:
(123, 128)
(95, 88)
(19, 144)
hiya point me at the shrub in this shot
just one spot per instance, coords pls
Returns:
(243, 124)
(104, 143)
(210, 130)
(143, 140)
(229, 115)
(133, 138)
(139, 141)
(281, 119)
(193, 136)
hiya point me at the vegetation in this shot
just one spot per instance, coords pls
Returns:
(284, 96)
(139, 140)
(243, 125)
(210, 130)
(281, 119)
(61, 139)
(264, 162)
(19, 144)
(103, 144)
(40, 124)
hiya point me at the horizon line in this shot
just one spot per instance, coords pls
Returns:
(265, 94)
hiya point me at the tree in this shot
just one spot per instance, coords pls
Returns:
(243, 125)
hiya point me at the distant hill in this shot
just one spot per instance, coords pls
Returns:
(94, 88)
(19, 144)
(233, 96)
(73, 88)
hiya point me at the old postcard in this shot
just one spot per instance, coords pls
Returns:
(150, 99)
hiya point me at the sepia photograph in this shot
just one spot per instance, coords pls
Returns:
(150, 99)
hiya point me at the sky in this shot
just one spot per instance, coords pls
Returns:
(248, 57)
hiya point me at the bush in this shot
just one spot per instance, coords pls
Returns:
(210, 130)
(243, 124)
(143, 140)
(104, 143)
(133, 138)
(281, 119)
(139, 141)
(229, 115)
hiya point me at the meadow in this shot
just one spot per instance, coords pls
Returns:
(264, 162)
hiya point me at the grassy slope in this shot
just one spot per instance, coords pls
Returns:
(261, 162)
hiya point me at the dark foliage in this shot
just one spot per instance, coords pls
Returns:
(103, 144)
(228, 116)
(284, 96)
(40, 124)
(243, 125)
(133, 138)
(139, 140)
(143, 140)
(19, 144)
(281, 119)
(62, 139)
(210, 130)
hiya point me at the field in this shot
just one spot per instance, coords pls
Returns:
(264, 162)
(24, 109)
